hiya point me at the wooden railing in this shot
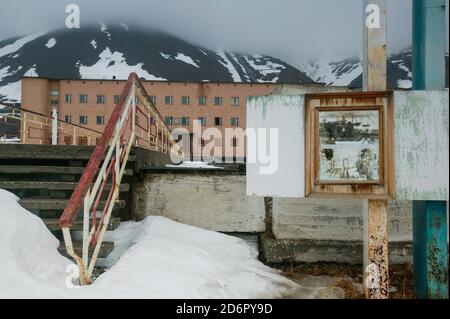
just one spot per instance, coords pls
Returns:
(134, 121)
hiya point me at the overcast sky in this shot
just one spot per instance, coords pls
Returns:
(289, 29)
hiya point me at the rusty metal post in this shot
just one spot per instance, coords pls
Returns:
(376, 265)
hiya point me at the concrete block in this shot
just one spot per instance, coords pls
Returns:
(215, 202)
(334, 219)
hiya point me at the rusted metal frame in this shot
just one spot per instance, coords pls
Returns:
(84, 279)
(91, 169)
(108, 214)
(100, 192)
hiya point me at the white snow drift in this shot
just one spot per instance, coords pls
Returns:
(156, 258)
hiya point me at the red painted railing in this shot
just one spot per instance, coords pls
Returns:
(108, 162)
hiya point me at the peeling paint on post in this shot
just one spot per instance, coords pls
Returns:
(376, 257)
(430, 217)
(376, 275)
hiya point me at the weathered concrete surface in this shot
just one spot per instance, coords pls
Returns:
(334, 219)
(306, 250)
(422, 145)
(213, 201)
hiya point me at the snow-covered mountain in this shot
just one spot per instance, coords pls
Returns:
(108, 51)
(348, 72)
(113, 51)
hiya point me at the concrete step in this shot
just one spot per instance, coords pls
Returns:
(56, 203)
(24, 185)
(52, 224)
(105, 249)
(56, 152)
(30, 169)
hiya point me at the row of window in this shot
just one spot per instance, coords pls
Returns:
(168, 100)
(169, 120)
(83, 119)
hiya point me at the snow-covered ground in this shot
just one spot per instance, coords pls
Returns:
(155, 258)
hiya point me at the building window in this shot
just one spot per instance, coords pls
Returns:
(168, 120)
(82, 140)
(153, 99)
(116, 99)
(83, 98)
(185, 100)
(68, 98)
(67, 140)
(218, 121)
(100, 120)
(218, 100)
(100, 99)
(234, 141)
(68, 118)
(54, 93)
(53, 102)
(234, 101)
(168, 100)
(234, 121)
(202, 121)
(202, 100)
(185, 120)
(83, 119)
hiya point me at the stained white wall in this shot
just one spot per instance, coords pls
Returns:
(286, 113)
(421, 145)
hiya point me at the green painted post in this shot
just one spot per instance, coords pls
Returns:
(430, 251)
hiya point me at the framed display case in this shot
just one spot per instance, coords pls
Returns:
(349, 145)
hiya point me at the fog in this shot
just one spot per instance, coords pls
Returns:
(293, 30)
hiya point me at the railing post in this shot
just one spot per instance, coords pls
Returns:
(86, 212)
(133, 111)
(54, 127)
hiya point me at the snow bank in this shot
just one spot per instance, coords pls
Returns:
(155, 258)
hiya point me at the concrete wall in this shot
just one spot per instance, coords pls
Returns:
(304, 230)
(334, 219)
(212, 201)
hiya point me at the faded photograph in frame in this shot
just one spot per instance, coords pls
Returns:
(348, 146)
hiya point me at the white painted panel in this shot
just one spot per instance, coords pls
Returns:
(286, 113)
(421, 145)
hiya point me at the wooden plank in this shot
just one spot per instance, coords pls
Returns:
(16, 185)
(49, 204)
(374, 50)
(52, 224)
(375, 240)
(28, 169)
(376, 254)
(105, 249)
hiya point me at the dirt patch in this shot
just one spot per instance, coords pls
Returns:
(349, 277)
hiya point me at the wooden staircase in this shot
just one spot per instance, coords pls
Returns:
(44, 177)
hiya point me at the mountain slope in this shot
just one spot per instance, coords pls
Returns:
(115, 51)
(348, 72)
